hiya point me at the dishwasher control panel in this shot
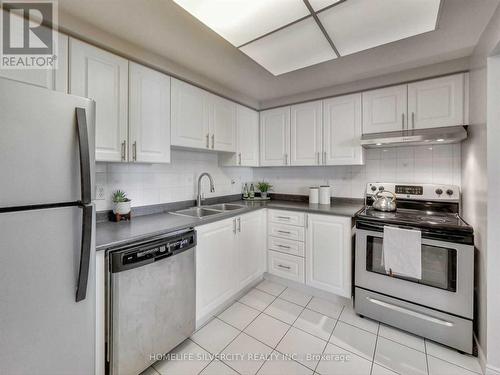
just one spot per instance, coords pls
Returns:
(141, 253)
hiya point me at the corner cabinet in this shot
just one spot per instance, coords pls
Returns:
(201, 120)
(329, 253)
(342, 129)
(149, 115)
(306, 134)
(247, 139)
(275, 137)
(230, 255)
(103, 77)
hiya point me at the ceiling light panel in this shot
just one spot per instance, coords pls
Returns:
(241, 21)
(321, 4)
(357, 25)
(297, 46)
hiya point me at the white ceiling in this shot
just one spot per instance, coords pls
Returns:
(166, 29)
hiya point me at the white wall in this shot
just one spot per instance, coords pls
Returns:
(148, 184)
(438, 164)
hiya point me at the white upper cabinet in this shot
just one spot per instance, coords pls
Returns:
(222, 124)
(275, 137)
(190, 116)
(328, 254)
(103, 77)
(436, 102)
(342, 130)
(247, 139)
(149, 115)
(306, 127)
(384, 110)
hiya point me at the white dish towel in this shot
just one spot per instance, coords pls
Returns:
(403, 252)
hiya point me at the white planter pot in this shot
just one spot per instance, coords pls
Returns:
(263, 194)
(121, 208)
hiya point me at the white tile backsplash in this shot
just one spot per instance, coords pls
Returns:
(440, 164)
(148, 184)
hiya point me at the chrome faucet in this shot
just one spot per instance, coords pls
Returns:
(212, 187)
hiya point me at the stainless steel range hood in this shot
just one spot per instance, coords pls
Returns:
(450, 134)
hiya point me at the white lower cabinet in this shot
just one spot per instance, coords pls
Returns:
(286, 266)
(230, 254)
(328, 253)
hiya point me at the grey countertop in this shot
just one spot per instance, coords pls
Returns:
(111, 234)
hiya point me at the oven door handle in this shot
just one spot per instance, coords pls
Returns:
(412, 313)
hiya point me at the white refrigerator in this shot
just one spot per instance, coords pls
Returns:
(47, 226)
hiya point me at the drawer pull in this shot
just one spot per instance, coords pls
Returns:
(284, 217)
(283, 231)
(283, 246)
(285, 267)
(412, 313)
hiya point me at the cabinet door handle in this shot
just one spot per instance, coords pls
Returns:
(317, 157)
(285, 267)
(283, 217)
(124, 147)
(239, 158)
(208, 140)
(283, 246)
(213, 141)
(239, 224)
(403, 121)
(286, 159)
(134, 150)
(413, 120)
(234, 226)
(283, 231)
(324, 157)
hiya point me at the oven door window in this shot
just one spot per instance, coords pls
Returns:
(439, 264)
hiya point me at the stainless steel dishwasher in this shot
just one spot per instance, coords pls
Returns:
(150, 299)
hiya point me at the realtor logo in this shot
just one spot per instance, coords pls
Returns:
(27, 41)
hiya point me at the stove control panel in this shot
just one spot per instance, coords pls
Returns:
(432, 192)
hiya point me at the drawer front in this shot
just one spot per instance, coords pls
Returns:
(447, 329)
(286, 266)
(285, 246)
(290, 232)
(286, 217)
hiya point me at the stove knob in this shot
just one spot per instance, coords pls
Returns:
(449, 192)
(374, 188)
(439, 191)
(381, 188)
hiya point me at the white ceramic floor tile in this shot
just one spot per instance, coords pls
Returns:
(267, 329)
(379, 370)
(295, 296)
(189, 358)
(215, 336)
(354, 339)
(149, 371)
(280, 364)
(349, 316)
(402, 337)
(439, 367)
(400, 358)
(245, 354)
(271, 287)
(316, 324)
(218, 368)
(238, 315)
(450, 355)
(325, 307)
(257, 299)
(300, 346)
(337, 361)
(284, 310)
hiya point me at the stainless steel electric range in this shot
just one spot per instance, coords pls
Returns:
(439, 306)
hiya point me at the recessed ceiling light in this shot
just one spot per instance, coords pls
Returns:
(378, 144)
(241, 21)
(440, 140)
(357, 25)
(297, 46)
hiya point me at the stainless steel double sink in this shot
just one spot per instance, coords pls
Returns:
(204, 211)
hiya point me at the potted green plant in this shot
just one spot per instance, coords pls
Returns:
(264, 188)
(121, 204)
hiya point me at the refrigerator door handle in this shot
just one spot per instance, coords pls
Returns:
(83, 141)
(85, 252)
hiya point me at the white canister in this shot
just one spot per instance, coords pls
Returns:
(313, 195)
(324, 194)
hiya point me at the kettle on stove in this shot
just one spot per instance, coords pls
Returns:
(383, 202)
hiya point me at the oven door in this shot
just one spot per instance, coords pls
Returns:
(447, 274)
